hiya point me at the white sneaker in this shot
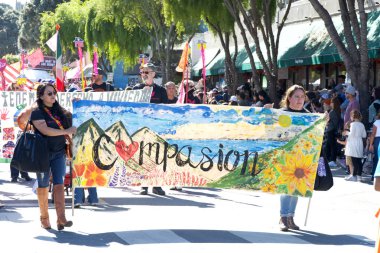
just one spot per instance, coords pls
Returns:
(351, 178)
(359, 178)
(332, 164)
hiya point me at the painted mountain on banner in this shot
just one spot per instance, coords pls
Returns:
(150, 158)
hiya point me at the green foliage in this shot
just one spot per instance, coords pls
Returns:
(193, 11)
(29, 35)
(71, 18)
(11, 58)
(8, 30)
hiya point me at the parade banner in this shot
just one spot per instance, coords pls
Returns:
(13, 102)
(138, 144)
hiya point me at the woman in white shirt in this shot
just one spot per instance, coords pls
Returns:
(354, 145)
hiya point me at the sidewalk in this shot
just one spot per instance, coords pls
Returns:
(194, 220)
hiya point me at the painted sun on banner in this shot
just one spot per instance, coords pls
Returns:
(121, 144)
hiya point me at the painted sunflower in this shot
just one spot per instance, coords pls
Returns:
(298, 173)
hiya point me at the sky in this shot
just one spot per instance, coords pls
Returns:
(13, 2)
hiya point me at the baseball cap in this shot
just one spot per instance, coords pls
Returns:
(100, 72)
(350, 90)
(149, 65)
(233, 99)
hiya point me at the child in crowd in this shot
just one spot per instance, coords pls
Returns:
(354, 145)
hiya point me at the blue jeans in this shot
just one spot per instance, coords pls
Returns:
(57, 170)
(92, 195)
(288, 205)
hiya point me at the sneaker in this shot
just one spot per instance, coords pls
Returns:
(359, 178)
(14, 180)
(332, 164)
(351, 178)
(77, 205)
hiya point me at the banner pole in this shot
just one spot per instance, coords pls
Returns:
(72, 201)
(307, 211)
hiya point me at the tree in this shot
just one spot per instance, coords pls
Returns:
(352, 45)
(115, 39)
(11, 58)
(71, 18)
(148, 17)
(29, 34)
(220, 22)
(8, 30)
(258, 18)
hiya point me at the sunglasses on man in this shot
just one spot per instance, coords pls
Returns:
(145, 72)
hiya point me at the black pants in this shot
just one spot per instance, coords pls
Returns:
(330, 146)
(16, 172)
(358, 166)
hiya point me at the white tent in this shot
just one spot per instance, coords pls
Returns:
(36, 75)
(74, 73)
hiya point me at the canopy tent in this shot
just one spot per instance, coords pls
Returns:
(36, 75)
(74, 73)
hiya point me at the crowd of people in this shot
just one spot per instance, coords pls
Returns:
(341, 102)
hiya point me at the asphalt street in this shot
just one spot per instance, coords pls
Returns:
(194, 220)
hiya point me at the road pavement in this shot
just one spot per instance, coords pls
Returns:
(194, 220)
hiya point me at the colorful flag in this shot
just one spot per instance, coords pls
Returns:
(95, 63)
(184, 59)
(55, 45)
(58, 66)
(12, 72)
(52, 42)
(182, 67)
(35, 58)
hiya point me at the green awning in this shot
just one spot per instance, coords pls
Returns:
(217, 66)
(301, 44)
(310, 44)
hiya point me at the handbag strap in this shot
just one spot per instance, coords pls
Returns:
(54, 118)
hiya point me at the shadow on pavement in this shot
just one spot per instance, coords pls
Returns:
(155, 200)
(90, 240)
(203, 236)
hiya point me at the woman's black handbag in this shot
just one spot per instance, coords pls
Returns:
(324, 179)
(31, 153)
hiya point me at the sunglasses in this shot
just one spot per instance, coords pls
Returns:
(51, 93)
(145, 72)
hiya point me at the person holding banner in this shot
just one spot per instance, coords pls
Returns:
(159, 96)
(50, 121)
(293, 101)
(98, 84)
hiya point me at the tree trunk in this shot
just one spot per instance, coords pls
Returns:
(355, 59)
(230, 67)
